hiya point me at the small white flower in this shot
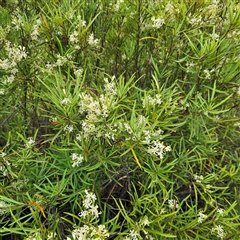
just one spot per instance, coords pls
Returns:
(145, 221)
(157, 148)
(68, 128)
(94, 211)
(2, 154)
(35, 33)
(61, 60)
(207, 73)
(78, 137)
(3, 207)
(84, 214)
(77, 158)
(197, 20)
(65, 101)
(110, 87)
(3, 170)
(73, 38)
(169, 8)
(92, 41)
(214, 36)
(30, 142)
(157, 22)
(152, 101)
(49, 67)
(220, 211)
(190, 66)
(89, 204)
(197, 178)
(201, 217)
(78, 72)
(13, 71)
(53, 119)
(133, 234)
(168, 149)
(220, 231)
(172, 203)
(10, 79)
(51, 236)
(82, 22)
(141, 120)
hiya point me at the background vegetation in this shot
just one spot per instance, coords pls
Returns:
(119, 119)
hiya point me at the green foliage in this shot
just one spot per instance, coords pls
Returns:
(119, 119)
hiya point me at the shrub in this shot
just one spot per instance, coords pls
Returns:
(119, 119)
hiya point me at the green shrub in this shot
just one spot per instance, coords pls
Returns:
(119, 119)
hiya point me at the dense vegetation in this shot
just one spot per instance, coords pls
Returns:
(119, 119)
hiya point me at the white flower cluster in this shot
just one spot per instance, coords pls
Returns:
(110, 132)
(81, 21)
(219, 230)
(63, 60)
(201, 217)
(196, 20)
(77, 159)
(171, 10)
(135, 234)
(89, 232)
(78, 72)
(88, 129)
(14, 55)
(211, 12)
(60, 61)
(2, 154)
(93, 108)
(4, 170)
(37, 236)
(157, 22)
(157, 148)
(65, 101)
(92, 41)
(30, 142)
(3, 207)
(91, 209)
(149, 134)
(153, 23)
(35, 30)
(169, 7)
(197, 178)
(49, 67)
(150, 101)
(150, 137)
(116, 6)
(17, 21)
(68, 128)
(190, 67)
(220, 211)
(172, 203)
(207, 73)
(74, 39)
(110, 87)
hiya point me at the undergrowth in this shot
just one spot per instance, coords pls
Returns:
(119, 119)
